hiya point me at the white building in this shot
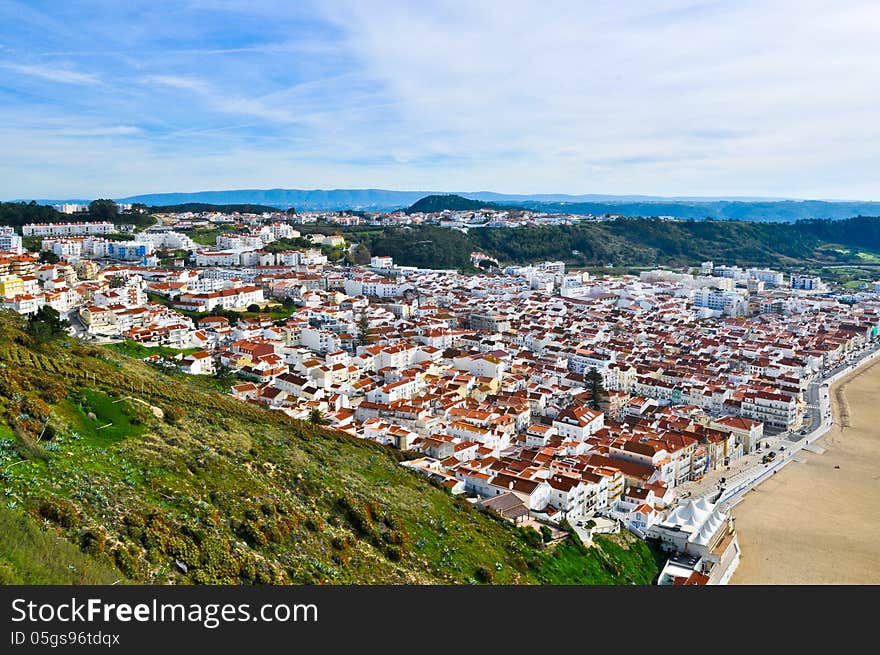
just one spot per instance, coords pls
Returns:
(238, 298)
(168, 240)
(372, 285)
(71, 208)
(10, 241)
(319, 341)
(731, 303)
(241, 241)
(68, 249)
(216, 258)
(767, 276)
(381, 262)
(774, 409)
(700, 529)
(578, 422)
(807, 282)
(67, 229)
(199, 363)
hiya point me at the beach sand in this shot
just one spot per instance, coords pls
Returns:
(812, 523)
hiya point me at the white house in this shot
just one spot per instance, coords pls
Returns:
(578, 422)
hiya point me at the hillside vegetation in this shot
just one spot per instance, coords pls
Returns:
(636, 242)
(16, 214)
(157, 479)
(438, 203)
(31, 555)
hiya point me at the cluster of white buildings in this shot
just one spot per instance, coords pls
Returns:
(488, 377)
(73, 249)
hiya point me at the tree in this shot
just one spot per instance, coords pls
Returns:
(363, 328)
(103, 209)
(596, 387)
(49, 257)
(253, 308)
(46, 324)
(316, 417)
(361, 254)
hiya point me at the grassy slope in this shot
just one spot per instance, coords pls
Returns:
(240, 494)
(30, 555)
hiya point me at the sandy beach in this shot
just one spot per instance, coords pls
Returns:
(813, 523)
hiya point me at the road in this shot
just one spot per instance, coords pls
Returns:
(745, 474)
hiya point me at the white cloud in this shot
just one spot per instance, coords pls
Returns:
(698, 97)
(110, 130)
(52, 73)
(674, 97)
(222, 101)
(178, 82)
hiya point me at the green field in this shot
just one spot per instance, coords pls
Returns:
(208, 236)
(102, 417)
(868, 257)
(135, 349)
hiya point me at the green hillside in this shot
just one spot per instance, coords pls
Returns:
(30, 554)
(637, 242)
(221, 491)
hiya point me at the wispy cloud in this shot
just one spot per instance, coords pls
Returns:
(111, 130)
(687, 97)
(178, 82)
(222, 101)
(52, 73)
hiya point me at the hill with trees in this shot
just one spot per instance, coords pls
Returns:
(16, 214)
(125, 470)
(634, 242)
(452, 202)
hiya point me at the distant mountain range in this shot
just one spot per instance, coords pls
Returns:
(739, 208)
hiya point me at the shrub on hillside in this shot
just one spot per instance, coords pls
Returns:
(173, 414)
(60, 511)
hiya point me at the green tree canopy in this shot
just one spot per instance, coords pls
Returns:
(103, 209)
(596, 387)
(46, 324)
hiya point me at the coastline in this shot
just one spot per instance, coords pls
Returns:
(813, 522)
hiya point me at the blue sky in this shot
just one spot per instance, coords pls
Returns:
(672, 97)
